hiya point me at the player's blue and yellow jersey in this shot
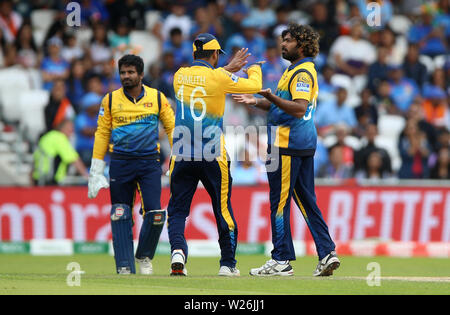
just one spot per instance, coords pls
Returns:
(131, 125)
(295, 136)
(200, 96)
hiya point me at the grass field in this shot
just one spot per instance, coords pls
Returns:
(24, 274)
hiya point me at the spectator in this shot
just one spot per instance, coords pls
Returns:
(71, 50)
(10, 21)
(327, 88)
(396, 49)
(373, 168)
(28, 53)
(342, 132)
(378, 71)
(403, 90)
(110, 76)
(169, 68)
(366, 113)
(262, 14)
(206, 22)
(85, 127)
(176, 18)
(99, 50)
(430, 37)
(435, 106)
(54, 155)
(75, 83)
(274, 66)
(352, 54)
(59, 107)
(249, 38)
(441, 170)
(120, 38)
(384, 100)
(93, 12)
(414, 151)
(413, 68)
(334, 112)
(53, 66)
(130, 10)
(416, 113)
(179, 47)
(282, 20)
(235, 13)
(94, 84)
(2, 49)
(368, 147)
(325, 25)
(153, 79)
(336, 168)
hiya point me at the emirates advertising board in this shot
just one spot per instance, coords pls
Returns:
(420, 214)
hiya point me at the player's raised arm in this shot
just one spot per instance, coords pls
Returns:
(234, 84)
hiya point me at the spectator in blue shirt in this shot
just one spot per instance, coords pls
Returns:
(249, 38)
(74, 85)
(430, 37)
(334, 112)
(54, 66)
(180, 48)
(403, 90)
(86, 125)
(274, 66)
(378, 71)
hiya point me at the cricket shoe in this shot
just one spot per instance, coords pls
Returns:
(178, 263)
(145, 266)
(226, 271)
(273, 268)
(124, 271)
(327, 265)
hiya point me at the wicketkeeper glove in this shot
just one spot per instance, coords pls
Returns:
(97, 180)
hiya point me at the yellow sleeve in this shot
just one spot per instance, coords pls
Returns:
(302, 87)
(167, 118)
(234, 84)
(103, 132)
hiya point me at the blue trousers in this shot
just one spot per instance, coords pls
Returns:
(216, 178)
(143, 176)
(294, 178)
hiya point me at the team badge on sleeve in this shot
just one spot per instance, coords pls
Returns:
(303, 83)
(302, 87)
(101, 111)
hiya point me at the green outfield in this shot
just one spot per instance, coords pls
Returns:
(25, 274)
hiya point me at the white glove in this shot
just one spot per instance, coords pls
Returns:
(97, 180)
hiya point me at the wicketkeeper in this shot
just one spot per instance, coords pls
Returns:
(129, 119)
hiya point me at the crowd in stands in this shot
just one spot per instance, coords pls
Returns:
(398, 67)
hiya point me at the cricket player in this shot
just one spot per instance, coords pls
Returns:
(198, 152)
(129, 118)
(292, 141)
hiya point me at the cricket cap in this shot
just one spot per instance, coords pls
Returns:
(206, 41)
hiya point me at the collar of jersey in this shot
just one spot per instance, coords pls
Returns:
(138, 98)
(202, 63)
(306, 59)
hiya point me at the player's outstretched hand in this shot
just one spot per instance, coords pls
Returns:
(265, 92)
(246, 99)
(258, 63)
(239, 60)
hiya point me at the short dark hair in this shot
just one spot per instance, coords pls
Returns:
(132, 60)
(203, 54)
(307, 38)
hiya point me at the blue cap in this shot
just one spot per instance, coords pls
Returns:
(90, 99)
(206, 41)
